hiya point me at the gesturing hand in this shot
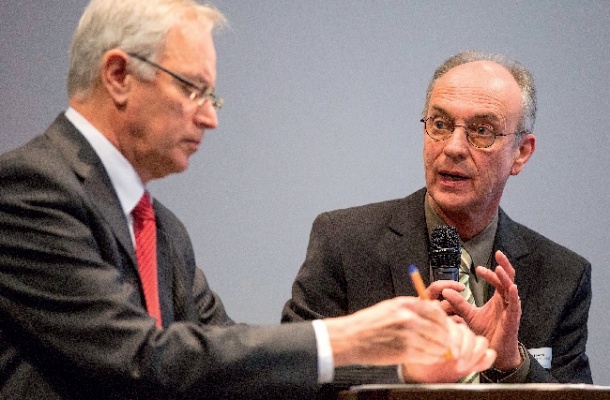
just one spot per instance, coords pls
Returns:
(498, 320)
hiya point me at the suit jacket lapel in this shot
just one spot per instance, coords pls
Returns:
(87, 165)
(516, 249)
(405, 242)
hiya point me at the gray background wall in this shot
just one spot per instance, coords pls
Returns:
(323, 100)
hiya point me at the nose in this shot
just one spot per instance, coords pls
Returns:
(206, 116)
(456, 145)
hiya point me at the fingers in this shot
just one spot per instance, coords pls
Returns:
(474, 353)
(457, 303)
(446, 306)
(503, 273)
(461, 340)
(486, 361)
(501, 281)
(436, 288)
(470, 353)
(513, 308)
(457, 319)
(428, 328)
(390, 332)
(502, 261)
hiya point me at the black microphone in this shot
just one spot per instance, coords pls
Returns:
(445, 253)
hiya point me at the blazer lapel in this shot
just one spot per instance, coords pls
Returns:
(175, 283)
(405, 242)
(516, 249)
(96, 183)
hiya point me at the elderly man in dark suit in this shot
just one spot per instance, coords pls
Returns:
(100, 296)
(478, 131)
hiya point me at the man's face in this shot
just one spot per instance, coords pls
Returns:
(464, 181)
(166, 127)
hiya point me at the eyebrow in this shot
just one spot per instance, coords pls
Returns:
(488, 116)
(198, 79)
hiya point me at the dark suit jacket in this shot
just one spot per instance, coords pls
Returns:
(72, 320)
(360, 256)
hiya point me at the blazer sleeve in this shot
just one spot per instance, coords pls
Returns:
(69, 314)
(319, 291)
(570, 363)
(555, 288)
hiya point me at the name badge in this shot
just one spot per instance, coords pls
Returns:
(543, 355)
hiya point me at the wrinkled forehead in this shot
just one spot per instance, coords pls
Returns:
(190, 50)
(478, 87)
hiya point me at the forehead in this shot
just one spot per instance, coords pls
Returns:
(478, 88)
(190, 49)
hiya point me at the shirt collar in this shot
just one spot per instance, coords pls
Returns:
(124, 178)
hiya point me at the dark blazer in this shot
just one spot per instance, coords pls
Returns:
(359, 256)
(72, 320)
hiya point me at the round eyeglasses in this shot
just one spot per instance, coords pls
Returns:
(480, 134)
(196, 93)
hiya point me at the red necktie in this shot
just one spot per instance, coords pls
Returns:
(145, 230)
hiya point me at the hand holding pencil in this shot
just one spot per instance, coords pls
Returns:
(420, 287)
(466, 351)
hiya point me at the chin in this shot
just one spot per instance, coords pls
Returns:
(450, 202)
(168, 169)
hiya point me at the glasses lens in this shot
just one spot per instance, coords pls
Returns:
(207, 94)
(438, 128)
(217, 103)
(481, 135)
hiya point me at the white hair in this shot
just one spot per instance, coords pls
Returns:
(134, 26)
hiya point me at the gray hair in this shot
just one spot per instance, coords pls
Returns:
(138, 26)
(523, 77)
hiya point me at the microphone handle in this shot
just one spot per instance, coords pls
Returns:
(446, 273)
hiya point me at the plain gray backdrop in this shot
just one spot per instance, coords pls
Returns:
(323, 101)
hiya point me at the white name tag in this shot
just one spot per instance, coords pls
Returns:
(543, 355)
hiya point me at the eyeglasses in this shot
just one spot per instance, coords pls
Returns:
(194, 92)
(480, 134)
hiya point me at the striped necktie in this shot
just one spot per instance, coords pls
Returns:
(145, 232)
(466, 266)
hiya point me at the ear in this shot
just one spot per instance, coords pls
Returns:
(115, 76)
(527, 146)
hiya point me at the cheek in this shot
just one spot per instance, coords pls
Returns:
(427, 163)
(430, 152)
(172, 121)
(493, 173)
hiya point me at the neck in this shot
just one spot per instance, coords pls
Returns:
(96, 111)
(468, 224)
(110, 123)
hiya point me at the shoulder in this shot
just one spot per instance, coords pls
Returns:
(370, 220)
(380, 212)
(542, 245)
(547, 255)
(60, 152)
(37, 171)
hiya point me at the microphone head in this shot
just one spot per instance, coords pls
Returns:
(445, 252)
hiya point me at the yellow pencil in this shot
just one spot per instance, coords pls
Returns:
(420, 287)
(418, 282)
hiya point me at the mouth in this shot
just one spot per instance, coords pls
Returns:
(453, 176)
(194, 139)
(192, 144)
